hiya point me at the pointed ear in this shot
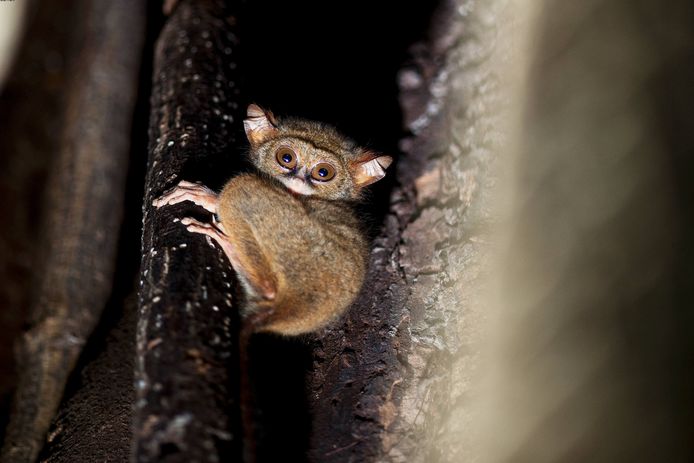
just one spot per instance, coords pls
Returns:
(370, 168)
(259, 124)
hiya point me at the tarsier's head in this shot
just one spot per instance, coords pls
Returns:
(310, 158)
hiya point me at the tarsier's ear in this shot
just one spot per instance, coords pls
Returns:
(370, 168)
(259, 124)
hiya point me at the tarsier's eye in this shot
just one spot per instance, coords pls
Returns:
(286, 157)
(323, 172)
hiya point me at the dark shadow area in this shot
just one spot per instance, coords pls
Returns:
(278, 366)
(335, 62)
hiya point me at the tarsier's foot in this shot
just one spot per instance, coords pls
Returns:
(187, 191)
(260, 286)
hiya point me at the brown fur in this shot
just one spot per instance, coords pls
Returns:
(293, 240)
(313, 248)
(302, 257)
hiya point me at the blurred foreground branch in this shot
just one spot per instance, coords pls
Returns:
(83, 214)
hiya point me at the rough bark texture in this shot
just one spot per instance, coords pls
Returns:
(84, 209)
(382, 380)
(187, 362)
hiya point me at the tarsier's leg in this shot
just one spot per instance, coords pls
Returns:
(187, 191)
(248, 262)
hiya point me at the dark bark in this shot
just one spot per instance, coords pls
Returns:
(83, 214)
(187, 379)
(381, 384)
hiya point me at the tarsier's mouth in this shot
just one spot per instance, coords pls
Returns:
(296, 185)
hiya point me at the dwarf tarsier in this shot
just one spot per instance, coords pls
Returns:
(289, 229)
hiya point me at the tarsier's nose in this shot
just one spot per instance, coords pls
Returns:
(301, 173)
(297, 183)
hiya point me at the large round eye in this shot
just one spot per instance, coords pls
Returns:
(323, 172)
(286, 157)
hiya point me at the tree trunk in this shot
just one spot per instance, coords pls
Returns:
(591, 348)
(186, 375)
(381, 387)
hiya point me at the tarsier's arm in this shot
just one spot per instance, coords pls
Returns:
(245, 256)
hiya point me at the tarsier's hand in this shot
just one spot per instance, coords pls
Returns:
(260, 286)
(188, 191)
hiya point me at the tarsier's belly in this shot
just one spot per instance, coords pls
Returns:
(317, 264)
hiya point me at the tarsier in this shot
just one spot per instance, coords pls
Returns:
(289, 230)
